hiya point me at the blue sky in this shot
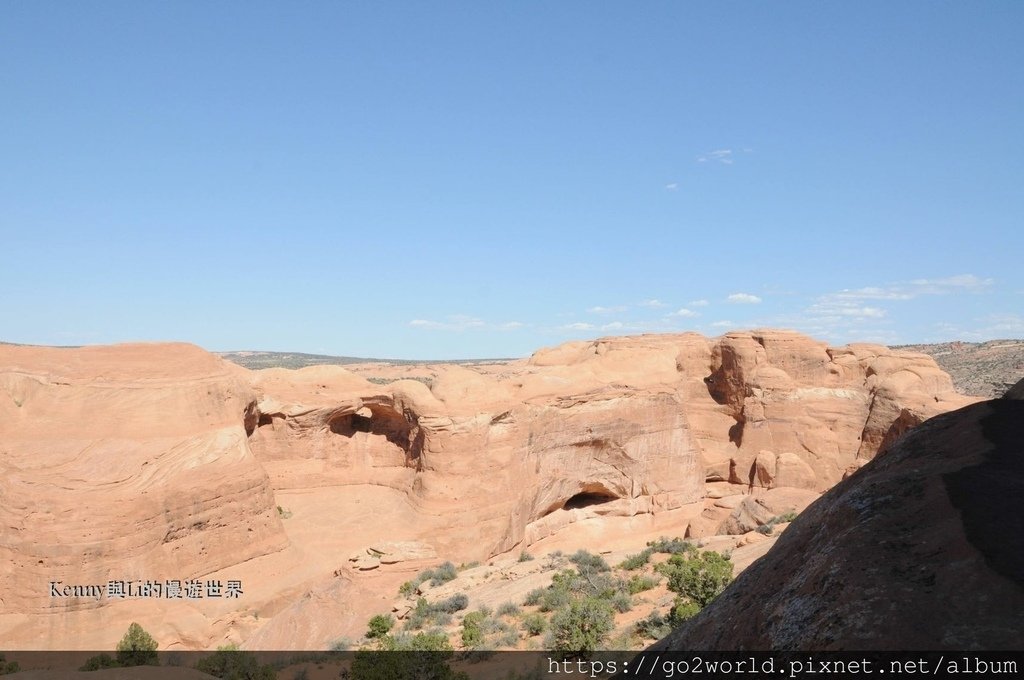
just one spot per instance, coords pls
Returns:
(466, 179)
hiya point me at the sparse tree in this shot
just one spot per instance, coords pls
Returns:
(137, 648)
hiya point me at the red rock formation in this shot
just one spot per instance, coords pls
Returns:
(161, 461)
(922, 549)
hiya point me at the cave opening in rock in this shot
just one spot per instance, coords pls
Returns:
(377, 419)
(586, 499)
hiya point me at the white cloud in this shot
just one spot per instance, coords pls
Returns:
(672, 186)
(579, 326)
(607, 310)
(722, 324)
(511, 325)
(952, 283)
(684, 312)
(653, 303)
(744, 299)
(460, 322)
(870, 293)
(910, 289)
(613, 326)
(697, 303)
(717, 156)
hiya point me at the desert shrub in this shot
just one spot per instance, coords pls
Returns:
(768, 528)
(442, 574)
(380, 625)
(137, 648)
(638, 560)
(582, 626)
(301, 674)
(341, 645)
(98, 662)
(555, 559)
(231, 664)
(8, 667)
(672, 546)
(654, 627)
(469, 565)
(534, 624)
(426, 656)
(682, 610)
(700, 578)
(507, 637)
(533, 597)
(508, 609)
(622, 602)
(525, 556)
(588, 562)
(452, 604)
(419, 616)
(472, 630)
(554, 598)
(638, 583)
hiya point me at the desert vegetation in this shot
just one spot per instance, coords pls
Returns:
(588, 605)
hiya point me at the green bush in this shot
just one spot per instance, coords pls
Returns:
(455, 603)
(442, 574)
(380, 625)
(588, 562)
(534, 624)
(472, 630)
(672, 546)
(582, 626)
(426, 656)
(525, 556)
(95, 663)
(622, 602)
(633, 562)
(230, 664)
(555, 598)
(507, 637)
(682, 610)
(700, 578)
(508, 609)
(419, 616)
(654, 627)
(534, 597)
(638, 583)
(137, 648)
(8, 667)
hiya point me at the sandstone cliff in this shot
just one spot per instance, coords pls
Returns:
(922, 549)
(162, 462)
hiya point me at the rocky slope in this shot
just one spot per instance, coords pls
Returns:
(155, 462)
(984, 369)
(922, 549)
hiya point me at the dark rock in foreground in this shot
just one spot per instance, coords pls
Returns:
(921, 549)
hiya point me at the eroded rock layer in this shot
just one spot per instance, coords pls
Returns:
(922, 549)
(162, 462)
